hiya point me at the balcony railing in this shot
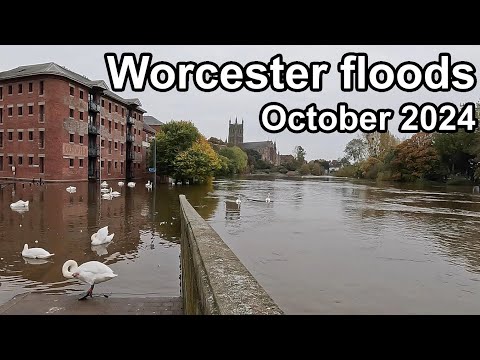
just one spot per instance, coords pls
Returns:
(93, 129)
(94, 151)
(130, 155)
(130, 120)
(130, 137)
(93, 106)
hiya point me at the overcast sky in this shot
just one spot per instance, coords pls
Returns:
(211, 111)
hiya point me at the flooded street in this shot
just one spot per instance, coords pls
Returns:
(322, 246)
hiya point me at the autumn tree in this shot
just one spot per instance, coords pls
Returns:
(416, 158)
(355, 150)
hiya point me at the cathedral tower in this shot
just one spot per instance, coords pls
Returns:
(235, 133)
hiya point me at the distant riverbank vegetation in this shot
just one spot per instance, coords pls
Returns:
(452, 158)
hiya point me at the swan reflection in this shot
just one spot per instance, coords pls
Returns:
(35, 261)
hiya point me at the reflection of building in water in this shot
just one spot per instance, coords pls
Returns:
(232, 210)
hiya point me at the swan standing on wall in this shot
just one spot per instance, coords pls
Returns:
(35, 253)
(91, 273)
(101, 236)
(71, 189)
(238, 201)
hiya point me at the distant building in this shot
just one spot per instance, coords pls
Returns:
(267, 149)
(58, 125)
(285, 159)
(154, 123)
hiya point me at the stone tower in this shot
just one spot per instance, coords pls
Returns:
(235, 133)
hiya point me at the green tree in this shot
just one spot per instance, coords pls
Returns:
(355, 150)
(317, 169)
(197, 163)
(238, 159)
(299, 153)
(172, 139)
(456, 150)
(304, 169)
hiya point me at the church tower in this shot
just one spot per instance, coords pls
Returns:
(235, 133)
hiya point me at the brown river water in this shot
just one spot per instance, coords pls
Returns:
(322, 246)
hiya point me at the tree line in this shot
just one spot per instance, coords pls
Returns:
(441, 157)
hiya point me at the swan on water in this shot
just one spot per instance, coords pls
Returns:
(149, 185)
(101, 236)
(20, 204)
(120, 183)
(35, 253)
(71, 189)
(104, 190)
(107, 196)
(268, 198)
(131, 184)
(91, 273)
(104, 184)
(114, 193)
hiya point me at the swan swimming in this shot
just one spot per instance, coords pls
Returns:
(20, 204)
(35, 253)
(91, 273)
(71, 189)
(131, 184)
(101, 236)
(104, 184)
(104, 190)
(149, 185)
(267, 200)
(120, 183)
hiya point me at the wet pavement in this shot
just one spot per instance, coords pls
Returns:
(45, 304)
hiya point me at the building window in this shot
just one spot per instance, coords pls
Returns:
(71, 113)
(30, 87)
(41, 88)
(121, 149)
(116, 145)
(135, 131)
(20, 160)
(1, 116)
(103, 142)
(81, 139)
(121, 167)
(109, 169)
(10, 111)
(102, 121)
(20, 136)
(102, 164)
(103, 105)
(139, 132)
(139, 117)
(30, 160)
(20, 110)
(30, 135)
(109, 107)
(109, 147)
(41, 110)
(30, 109)
(81, 115)
(123, 112)
(1, 163)
(41, 140)
(10, 160)
(81, 96)
(72, 91)
(122, 129)
(135, 116)
(10, 89)
(116, 164)
(1, 92)
(20, 88)
(116, 126)
(80, 163)
(110, 126)
(10, 135)
(72, 138)
(1, 139)
(116, 110)
(71, 162)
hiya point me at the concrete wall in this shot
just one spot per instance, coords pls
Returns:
(214, 281)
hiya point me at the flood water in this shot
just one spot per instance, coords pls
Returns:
(323, 246)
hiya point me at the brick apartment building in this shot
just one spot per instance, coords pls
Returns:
(57, 125)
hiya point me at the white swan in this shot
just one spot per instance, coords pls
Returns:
(101, 236)
(35, 253)
(104, 190)
(104, 184)
(131, 184)
(268, 198)
(107, 196)
(114, 193)
(238, 201)
(20, 204)
(71, 189)
(91, 272)
(149, 185)
(120, 183)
